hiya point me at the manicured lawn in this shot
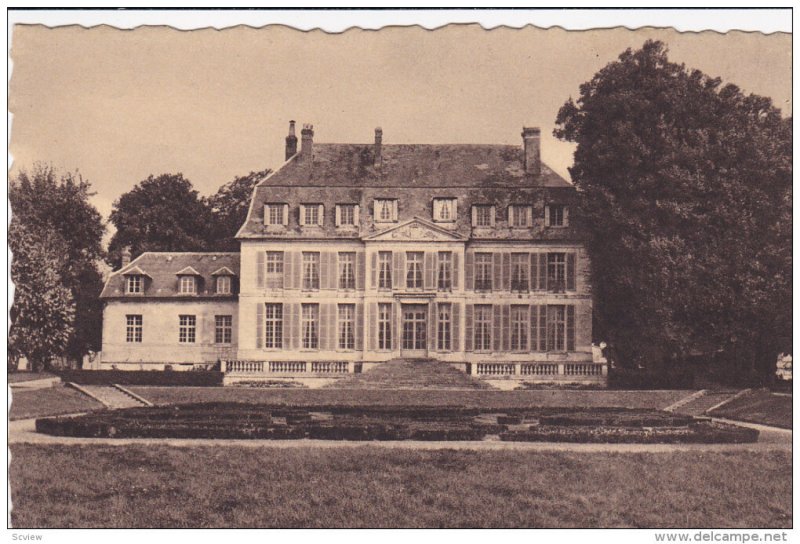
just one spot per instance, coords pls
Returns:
(472, 399)
(162, 486)
(17, 377)
(51, 401)
(759, 406)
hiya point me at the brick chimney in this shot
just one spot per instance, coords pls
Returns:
(531, 141)
(307, 140)
(378, 144)
(126, 256)
(291, 142)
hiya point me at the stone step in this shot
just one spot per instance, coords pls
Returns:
(110, 396)
(411, 374)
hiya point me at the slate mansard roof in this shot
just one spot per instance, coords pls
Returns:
(161, 273)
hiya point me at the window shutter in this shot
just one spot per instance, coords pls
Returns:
(492, 218)
(571, 328)
(468, 332)
(260, 325)
(506, 327)
(432, 317)
(375, 211)
(372, 323)
(302, 214)
(260, 265)
(327, 270)
(469, 271)
(321, 215)
(288, 274)
(395, 210)
(533, 323)
(455, 325)
(430, 269)
(528, 216)
(566, 216)
(437, 209)
(361, 269)
(474, 216)
(497, 280)
(547, 216)
(373, 270)
(325, 317)
(285, 215)
(297, 269)
(455, 271)
(266, 214)
(542, 271)
(570, 271)
(534, 271)
(359, 324)
(398, 277)
(291, 317)
(454, 210)
(338, 215)
(497, 327)
(395, 340)
(506, 271)
(543, 328)
(356, 215)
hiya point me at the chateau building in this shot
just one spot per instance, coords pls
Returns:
(354, 255)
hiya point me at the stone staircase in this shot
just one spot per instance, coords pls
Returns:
(111, 396)
(411, 374)
(702, 401)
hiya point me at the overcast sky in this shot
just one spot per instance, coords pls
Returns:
(121, 105)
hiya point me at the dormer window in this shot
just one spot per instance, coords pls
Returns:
(311, 215)
(556, 216)
(385, 210)
(483, 216)
(223, 285)
(276, 214)
(444, 209)
(188, 285)
(519, 216)
(133, 285)
(347, 215)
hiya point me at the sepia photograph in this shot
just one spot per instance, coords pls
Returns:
(279, 276)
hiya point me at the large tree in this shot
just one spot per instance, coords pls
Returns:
(229, 209)
(163, 213)
(686, 191)
(55, 206)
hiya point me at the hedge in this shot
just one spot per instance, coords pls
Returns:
(648, 378)
(695, 433)
(200, 378)
(636, 419)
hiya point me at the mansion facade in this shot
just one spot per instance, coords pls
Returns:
(356, 255)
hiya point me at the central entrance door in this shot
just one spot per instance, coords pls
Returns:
(415, 328)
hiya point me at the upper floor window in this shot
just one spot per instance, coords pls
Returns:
(133, 285)
(483, 271)
(483, 216)
(414, 269)
(444, 209)
(519, 216)
(556, 216)
(520, 265)
(346, 215)
(556, 271)
(384, 270)
(444, 274)
(188, 285)
(385, 210)
(309, 321)
(347, 337)
(311, 215)
(223, 285)
(276, 214)
(275, 262)
(310, 270)
(483, 327)
(347, 274)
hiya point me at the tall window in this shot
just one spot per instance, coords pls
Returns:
(274, 326)
(273, 214)
(133, 328)
(384, 270)
(346, 214)
(444, 327)
(310, 270)
(414, 269)
(347, 275)
(310, 324)
(483, 271)
(520, 325)
(445, 271)
(223, 285)
(188, 285)
(556, 216)
(385, 210)
(311, 214)
(556, 271)
(223, 329)
(483, 327)
(444, 209)
(347, 338)
(520, 265)
(187, 329)
(384, 326)
(275, 262)
(556, 328)
(133, 285)
(483, 216)
(518, 215)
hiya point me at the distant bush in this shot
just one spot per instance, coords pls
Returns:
(649, 378)
(695, 433)
(142, 377)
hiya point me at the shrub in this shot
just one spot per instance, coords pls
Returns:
(620, 419)
(649, 378)
(700, 433)
(143, 377)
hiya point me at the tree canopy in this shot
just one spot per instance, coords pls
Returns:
(685, 188)
(229, 208)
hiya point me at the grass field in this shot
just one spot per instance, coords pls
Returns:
(50, 402)
(17, 377)
(759, 406)
(472, 399)
(160, 486)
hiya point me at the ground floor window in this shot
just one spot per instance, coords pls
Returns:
(519, 328)
(133, 328)
(187, 329)
(483, 327)
(556, 328)
(347, 338)
(274, 326)
(223, 329)
(310, 326)
(444, 326)
(384, 326)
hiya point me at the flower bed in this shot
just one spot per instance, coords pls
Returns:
(249, 421)
(200, 378)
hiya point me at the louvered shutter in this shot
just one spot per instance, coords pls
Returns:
(533, 323)
(474, 216)
(328, 272)
(497, 327)
(543, 328)
(455, 326)
(455, 271)
(398, 276)
(528, 216)
(534, 271)
(302, 214)
(432, 320)
(359, 324)
(266, 214)
(321, 215)
(497, 280)
(570, 271)
(542, 271)
(468, 327)
(285, 215)
(395, 210)
(571, 328)
(547, 216)
(394, 320)
(328, 335)
(437, 209)
(260, 266)
(372, 326)
(492, 218)
(429, 273)
(361, 269)
(506, 327)
(338, 215)
(566, 216)
(469, 271)
(375, 210)
(292, 318)
(356, 215)
(506, 271)
(373, 270)
(297, 269)
(260, 324)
